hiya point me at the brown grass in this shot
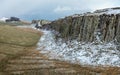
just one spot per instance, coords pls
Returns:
(15, 42)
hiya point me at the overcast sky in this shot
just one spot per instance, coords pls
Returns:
(51, 9)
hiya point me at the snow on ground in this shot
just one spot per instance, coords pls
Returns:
(109, 11)
(3, 19)
(96, 54)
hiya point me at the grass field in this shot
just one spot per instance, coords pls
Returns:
(16, 36)
(15, 41)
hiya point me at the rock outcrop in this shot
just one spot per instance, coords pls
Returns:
(86, 28)
(89, 27)
(12, 19)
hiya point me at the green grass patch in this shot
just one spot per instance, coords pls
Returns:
(16, 36)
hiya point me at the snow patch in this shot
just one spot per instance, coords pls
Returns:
(104, 54)
(3, 19)
(110, 11)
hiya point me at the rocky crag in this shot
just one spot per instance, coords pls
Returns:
(102, 25)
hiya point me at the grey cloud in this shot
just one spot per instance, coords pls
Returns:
(52, 8)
